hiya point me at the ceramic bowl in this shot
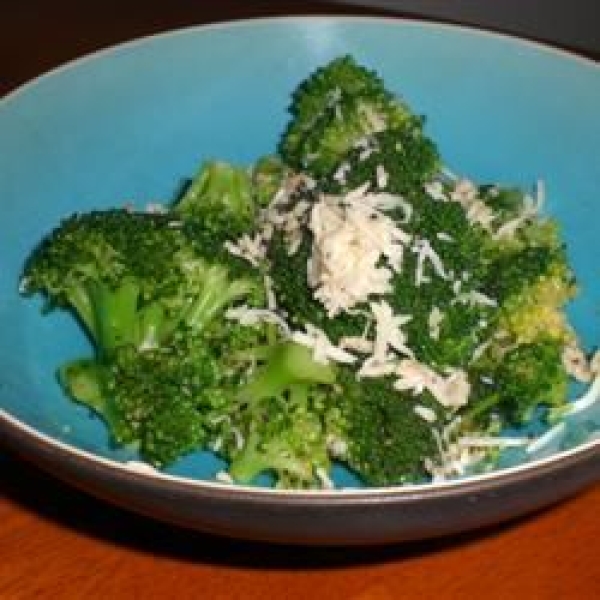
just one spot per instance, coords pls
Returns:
(132, 122)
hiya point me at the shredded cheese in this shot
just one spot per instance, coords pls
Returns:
(381, 176)
(422, 248)
(435, 190)
(388, 331)
(351, 236)
(477, 211)
(224, 477)
(451, 391)
(576, 363)
(249, 248)
(434, 321)
(246, 315)
(323, 350)
(426, 413)
(270, 293)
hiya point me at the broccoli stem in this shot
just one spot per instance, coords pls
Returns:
(288, 364)
(152, 326)
(256, 458)
(79, 298)
(217, 292)
(115, 315)
(83, 380)
(250, 462)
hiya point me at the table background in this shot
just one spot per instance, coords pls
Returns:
(56, 542)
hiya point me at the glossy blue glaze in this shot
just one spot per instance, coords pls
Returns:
(129, 124)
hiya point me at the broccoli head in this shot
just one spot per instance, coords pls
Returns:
(112, 268)
(377, 431)
(132, 278)
(398, 161)
(274, 424)
(511, 387)
(155, 400)
(332, 110)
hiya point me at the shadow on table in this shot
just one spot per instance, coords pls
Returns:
(36, 492)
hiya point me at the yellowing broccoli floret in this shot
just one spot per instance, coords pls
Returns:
(538, 310)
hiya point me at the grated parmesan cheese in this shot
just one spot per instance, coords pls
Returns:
(576, 363)
(246, 315)
(376, 368)
(426, 413)
(323, 349)
(434, 322)
(224, 477)
(451, 391)
(477, 211)
(381, 176)
(357, 343)
(141, 467)
(422, 248)
(435, 190)
(351, 236)
(473, 298)
(324, 479)
(270, 293)
(388, 331)
(249, 248)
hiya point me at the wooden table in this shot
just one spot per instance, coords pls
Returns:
(56, 542)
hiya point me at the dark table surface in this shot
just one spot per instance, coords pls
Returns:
(56, 542)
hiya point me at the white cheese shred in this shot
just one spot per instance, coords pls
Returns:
(356, 248)
(323, 350)
(451, 391)
(253, 316)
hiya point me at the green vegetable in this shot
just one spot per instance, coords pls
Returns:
(371, 410)
(336, 107)
(275, 422)
(211, 328)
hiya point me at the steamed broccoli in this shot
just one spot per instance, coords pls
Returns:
(196, 313)
(148, 294)
(509, 390)
(113, 269)
(275, 422)
(131, 278)
(368, 410)
(398, 161)
(154, 400)
(334, 109)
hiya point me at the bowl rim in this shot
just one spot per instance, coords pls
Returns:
(131, 469)
(496, 478)
(383, 20)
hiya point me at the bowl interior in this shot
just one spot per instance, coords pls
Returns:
(130, 124)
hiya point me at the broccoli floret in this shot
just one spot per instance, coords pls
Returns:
(511, 387)
(538, 310)
(220, 195)
(154, 400)
(131, 278)
(332, 110)
(398, 161)
(532, 281)
(380, 435)
(274, 424)
(268, 174)
(112, 268)
(295, 296)
(151, 302)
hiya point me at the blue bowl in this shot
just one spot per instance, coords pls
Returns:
(129, 124)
